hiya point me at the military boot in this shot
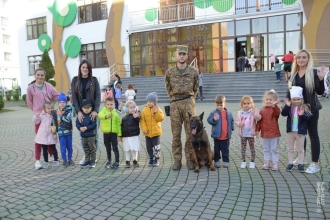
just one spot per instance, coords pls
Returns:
(190, 165)
(176, 165)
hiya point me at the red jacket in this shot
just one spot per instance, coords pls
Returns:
(288, 58)
(269, 122)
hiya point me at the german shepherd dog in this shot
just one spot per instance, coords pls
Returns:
(201, 150)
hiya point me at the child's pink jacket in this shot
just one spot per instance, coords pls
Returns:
(253, 119)
(44, 135)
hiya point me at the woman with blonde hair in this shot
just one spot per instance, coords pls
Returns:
(312, 82)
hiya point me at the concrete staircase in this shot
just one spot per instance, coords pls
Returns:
(232, 85)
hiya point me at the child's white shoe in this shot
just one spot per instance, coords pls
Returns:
(252, 165)
(243, 165)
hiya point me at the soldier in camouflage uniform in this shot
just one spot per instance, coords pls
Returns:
(182, 82)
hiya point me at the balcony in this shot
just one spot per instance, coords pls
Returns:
(204, 11)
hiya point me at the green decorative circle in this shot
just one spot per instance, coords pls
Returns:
(200, 3)
(289, 2)
(69, 17)
(44, 42)
(222, 5)
(151, 14)
(72, 46)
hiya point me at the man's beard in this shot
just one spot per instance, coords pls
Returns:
(183, 62)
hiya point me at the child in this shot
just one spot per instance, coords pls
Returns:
(200, 85)
(272, 60)
(47, 133)
(130, 93)
(247, 65)
(151, 126)
(119, 96)
(246, 121)
(222, 126)
(64, 129)
(297, 114)
(111, 128)
(270, 131)
(107, 92)
(277, 69)
(88, 131)
(252, 62)
(130, 133)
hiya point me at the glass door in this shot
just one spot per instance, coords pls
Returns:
(255, 47)
(227, 55)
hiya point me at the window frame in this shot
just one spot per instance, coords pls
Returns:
(4, 21)
(85, 51)
(6, 39)
(97, 14)
(37, 25)
(7, 56)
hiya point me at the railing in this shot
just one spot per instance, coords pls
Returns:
(116, 68)
(321, 57)
(215, 68)
(194, 63)
(205, 9)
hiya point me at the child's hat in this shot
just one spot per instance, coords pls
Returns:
(296, 92)
(86, 104)
(152, 97)
(62, 98)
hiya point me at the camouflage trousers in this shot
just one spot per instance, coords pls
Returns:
(179, 114)
(89, 148)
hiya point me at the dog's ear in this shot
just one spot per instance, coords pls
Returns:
(201, 116)
(189, 115)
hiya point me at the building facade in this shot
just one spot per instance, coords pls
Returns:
(141, 36)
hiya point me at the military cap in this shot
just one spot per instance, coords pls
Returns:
(182, 49)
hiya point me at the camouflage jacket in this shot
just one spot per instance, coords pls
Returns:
(180, 85)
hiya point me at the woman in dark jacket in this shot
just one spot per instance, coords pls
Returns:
(86, 87)
(303, 75)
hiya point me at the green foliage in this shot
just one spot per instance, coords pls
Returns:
(16, 97)
(8, 95)
(52, 82)
(1, 98)
(47, 65)
(2, 104)
(24, 97)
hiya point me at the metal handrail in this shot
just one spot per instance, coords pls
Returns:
(194, 63)
(116, 68)
(320, 56)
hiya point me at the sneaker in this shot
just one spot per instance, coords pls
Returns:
(37, 165)
(107, 165)
(217, 164)
(151, 162)
(115, 165)
(45, 165)
(301, 168)
(265, 166)
(71, 163)
(156, 162)
(295, 162)
(87, 164)
(252, 165)
(95, 161)
(92, 164)
(135, 163)
(55, 163)
(289, 167)
(128, 164)
(225, 164)
(275, 167)
(243, 165)
(65, 163)
(312, 168)
(83, 161)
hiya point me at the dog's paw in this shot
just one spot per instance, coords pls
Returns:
(212, 168)
(196, 171)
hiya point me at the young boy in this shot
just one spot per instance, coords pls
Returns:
(111, 128)
(151, 126)
(277, 69)
(222, 126)
(87, 130)
(64, 129)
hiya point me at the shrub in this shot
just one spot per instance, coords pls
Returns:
(52, 82)
(16, 97)
(24, 97)
(2, 104)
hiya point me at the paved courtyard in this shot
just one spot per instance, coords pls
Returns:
(159, 192)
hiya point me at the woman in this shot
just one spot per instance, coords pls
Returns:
(39, 92)
(116, 81)
(86, 87)
(312, 83)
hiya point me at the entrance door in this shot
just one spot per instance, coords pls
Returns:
(227, 55)
(255, 47)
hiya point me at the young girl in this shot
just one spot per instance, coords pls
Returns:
(270, 132)
(277, 69)
(46, 134)
(246, 121)
(297, 114)
(118, 96)
(130, 93)
(107, 93)
(130, 133)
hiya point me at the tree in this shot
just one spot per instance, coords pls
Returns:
(47, 65)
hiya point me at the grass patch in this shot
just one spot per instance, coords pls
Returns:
(6, 110)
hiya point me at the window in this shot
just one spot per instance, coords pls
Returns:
(33, 63)
(7, 56)
(92, 10)
(6, 39)
(96, 54)
(4, 21)
(36, 27)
